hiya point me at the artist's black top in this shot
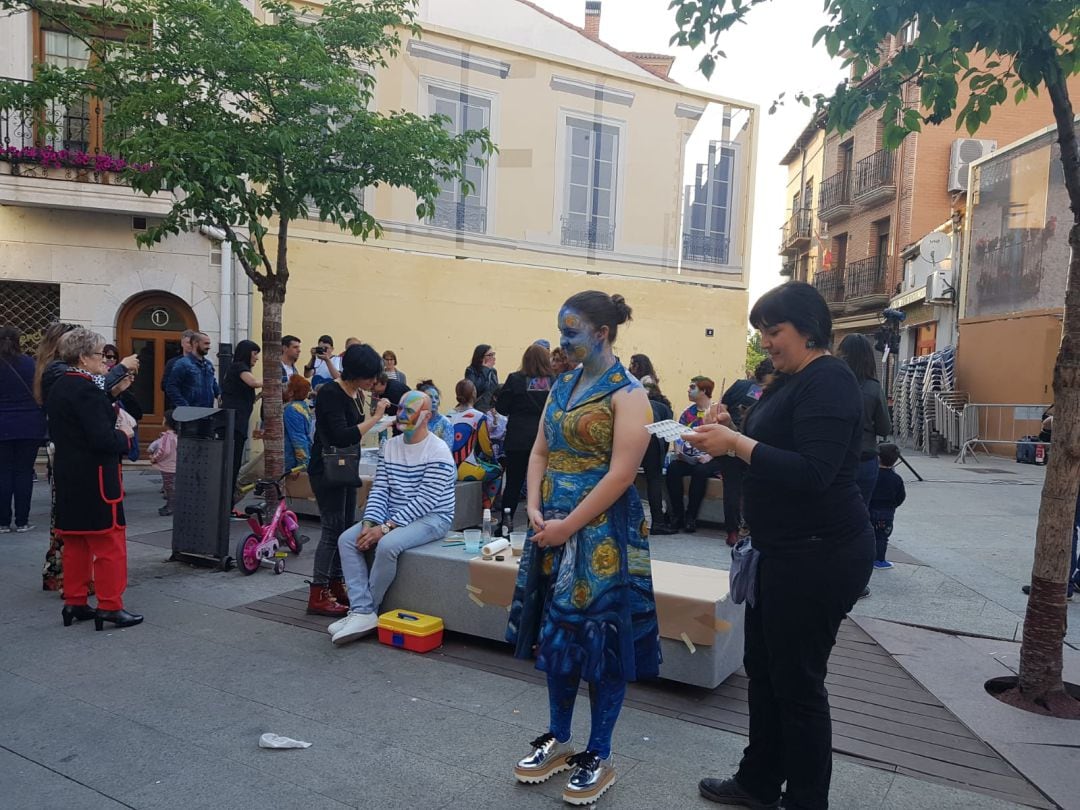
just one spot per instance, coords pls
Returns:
(238, 395)
(800, 491)
(336, 416)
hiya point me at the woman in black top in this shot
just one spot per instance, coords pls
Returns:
(653, 462)
(339, 422)
(238, 393)
(522, 400)
(801, 442)
(481, 373)
(856, 351)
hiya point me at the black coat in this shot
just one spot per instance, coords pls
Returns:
(86, 468)
(523, 401)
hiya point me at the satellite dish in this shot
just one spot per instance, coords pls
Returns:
(935, 247)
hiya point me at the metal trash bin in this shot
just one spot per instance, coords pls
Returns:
(204, 460)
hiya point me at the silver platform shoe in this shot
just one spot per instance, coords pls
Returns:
(548, 758)
(591, 778)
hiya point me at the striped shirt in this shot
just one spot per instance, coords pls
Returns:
(413, 481)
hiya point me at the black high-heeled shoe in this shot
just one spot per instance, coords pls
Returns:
(121, 618)
(76, 613)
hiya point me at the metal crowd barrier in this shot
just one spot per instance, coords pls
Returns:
(985, 424)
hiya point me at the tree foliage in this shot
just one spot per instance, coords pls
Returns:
(960, 60)
(754, 353)
(252, 122)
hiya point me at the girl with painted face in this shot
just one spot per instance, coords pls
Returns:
(437, 424)
(583, 603)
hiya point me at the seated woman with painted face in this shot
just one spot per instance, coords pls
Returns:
(411, 503)
(473, 449)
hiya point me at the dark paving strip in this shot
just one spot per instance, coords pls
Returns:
(882, 717)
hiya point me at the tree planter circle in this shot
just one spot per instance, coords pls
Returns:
(1063, 706)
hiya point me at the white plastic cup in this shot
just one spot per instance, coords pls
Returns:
(517, 540)
(473, 541)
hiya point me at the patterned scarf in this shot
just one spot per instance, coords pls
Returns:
(96, 379)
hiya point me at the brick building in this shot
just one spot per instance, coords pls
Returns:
(874, 204)
(800, 235)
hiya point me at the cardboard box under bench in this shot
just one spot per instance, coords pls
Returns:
(701, 630)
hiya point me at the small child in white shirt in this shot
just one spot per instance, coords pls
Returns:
(163, 458)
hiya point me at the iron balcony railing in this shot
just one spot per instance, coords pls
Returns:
(587, 233)
(703, 247)
(874, 172)
(61, 140)
(1010, 267)
(835, 192)
(830, 283)
(866, 277)
(797, 228)
(460, 216)
(73, 127)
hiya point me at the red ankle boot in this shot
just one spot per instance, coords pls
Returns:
(321, 602)
(340, 592)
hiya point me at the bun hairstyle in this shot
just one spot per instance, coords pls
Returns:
(601, 309)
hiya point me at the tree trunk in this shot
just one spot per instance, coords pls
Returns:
(273, 296)
(1044, 623)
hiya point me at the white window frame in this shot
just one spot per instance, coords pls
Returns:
(426, 84)
(562, 172)
(735, 226)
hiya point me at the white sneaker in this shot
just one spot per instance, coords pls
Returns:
(26, 528)
(5, 529)
(357, 625)
(337, 624)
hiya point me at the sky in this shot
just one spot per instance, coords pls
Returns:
(770, 55)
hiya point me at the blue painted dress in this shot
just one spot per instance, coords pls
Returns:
(587, 607)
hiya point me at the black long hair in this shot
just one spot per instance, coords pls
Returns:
(856, 351)
(244, 350)
(478, 356)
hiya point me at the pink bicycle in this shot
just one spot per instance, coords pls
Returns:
(267, 541)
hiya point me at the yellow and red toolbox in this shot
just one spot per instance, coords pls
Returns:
(417, 632)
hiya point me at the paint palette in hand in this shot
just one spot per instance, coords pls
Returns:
(668, 429)
(384, 423)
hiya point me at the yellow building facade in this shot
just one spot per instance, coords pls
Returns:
(600, 161)
(608, 176)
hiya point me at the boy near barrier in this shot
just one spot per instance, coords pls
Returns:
(163, 459)
(888, 495)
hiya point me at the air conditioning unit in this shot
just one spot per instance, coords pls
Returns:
(939, 287)
(966, 151)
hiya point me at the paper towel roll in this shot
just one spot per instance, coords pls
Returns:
(495, 546)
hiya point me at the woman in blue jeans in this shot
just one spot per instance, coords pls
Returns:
(856, 351)
(22, 429)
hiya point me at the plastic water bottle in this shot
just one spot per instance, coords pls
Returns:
(485, 535)
(507, 522)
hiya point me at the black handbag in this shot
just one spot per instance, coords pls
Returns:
(341, 466)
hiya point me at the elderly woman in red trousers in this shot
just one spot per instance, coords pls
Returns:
(89, 490)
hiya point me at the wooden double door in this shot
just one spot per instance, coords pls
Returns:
(149, 327)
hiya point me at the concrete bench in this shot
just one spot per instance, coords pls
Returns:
(473, 596)
(468, 495)
(712, 508)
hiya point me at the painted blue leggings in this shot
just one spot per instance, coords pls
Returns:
(605, 699)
